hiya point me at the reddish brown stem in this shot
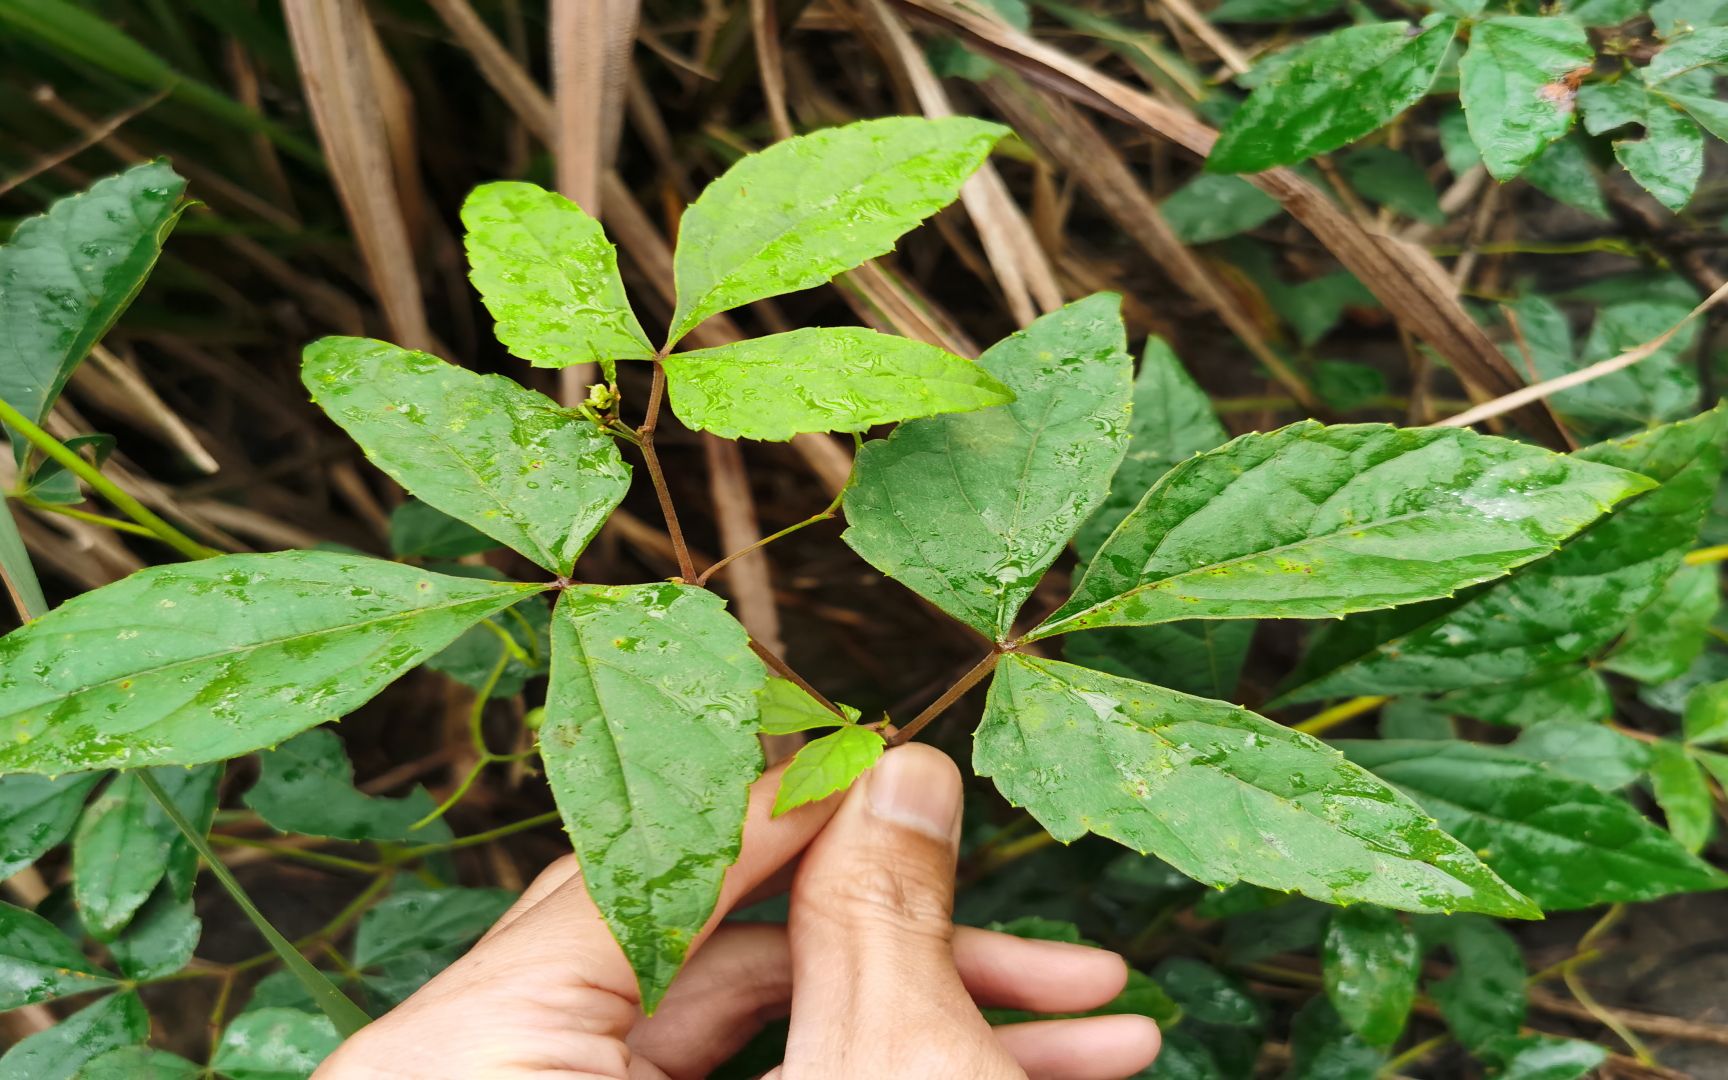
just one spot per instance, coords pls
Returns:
(949, 697)
(656, 393)
(781, 669)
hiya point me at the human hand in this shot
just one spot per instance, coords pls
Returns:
(878, 981)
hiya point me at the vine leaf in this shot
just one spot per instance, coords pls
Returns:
(502, 458)
(1311, 521)
(306, 786)
(1371, 961)
(786, 710)
(968, 511)
(843, 378)
(39, 963)
(650, 746)
(36, 813)
(1558, 840)
(806, 208)
(826, 765)
(1217, 792)
(1518, 84)
(67, 275)
(201, 661)
(1334, 90)
(549, 277)
(60, 1051)
(1560, 610)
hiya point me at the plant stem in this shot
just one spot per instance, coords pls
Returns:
(1327, 719)
(823, 515)
(347, 1016)
(103, 486)
(295, 854)
(17, 572)
(486, 837)
(784, 670)
(1413, 1055)
(651, 458)
(85, 516)
(1707, 555)
(949, 697)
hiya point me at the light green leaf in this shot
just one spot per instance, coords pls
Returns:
(786, 709)
(66, 276)
(1217, 792)
(1543, 1057)
(1674, 18)
(806, 208)
(1669, 632)
(1564, 173)
(125, 845)
(39, 963)
(500, 457)
(1251, 11)
(1589, 751)
(968, 511)
(1343, 86)
(421, 531)
(1515, 88)
(161, 939)
(306, 786)
(139, 1063)
(1668, 161)
(1710, 113)
(1322, 1047)
(1683, 794)
(1560, 610)
(842, 378)
(36, 813)
(1485, 996)
(1702, 48)
(650, 747)
(826, 765)
(1211, 207)
(274, 1044)
(62, 1050)
(1603, 13)
(549, 277)
(1393, 180)
(1558, 840)
(426, 920)
(207, 660)
(1609, 105)
(1370, 962)
(1311, 521)
(1706, 717)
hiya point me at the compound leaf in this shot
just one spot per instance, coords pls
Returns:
(549, 277)
(39, 963)
(826, 765)
(59, 1052)
(843, 378)
(274, 1044)
(1560, 841)
(306, 786)
(1370, 961)
(650, 746)
(1341, 87)
(160, 939)
(806, 208)
(200, 661)
(1311, 521)
(481, 448)
(1515, 88)
(968, 511)
(1217, 792)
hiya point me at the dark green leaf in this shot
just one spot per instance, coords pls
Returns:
(1416, 718)
(1342, 87)
(1222, 1023)
(1568, 691)
(39, 963)
(842, 378)
(52, 482)
(125, 845)
(66, 275)
(1322, 1047)
(1561, 841)
(1683, 794)
(968, 511)
(1543, 1057)
(1393, 180)
(502, 458)
(274, 1044)
(1706, 715)
(1609, 105)
(1710, 113)
(139, 1063)
(1370, 964)
(1211, 207)
(1513, 82)
(1252, 11)
(1669, 632)
(1603, 12)
(786, 709)
(1216, 791)
(824, 766)
(207, 660)
(426, 920)
(1455, 143)
(650, 747)
(1483, 1000)
(1591, 752)
(1668, 161)
(549, 277)
(1660, 388)
(419, 530)
(62, 1050)
(472, 656)
(1195, 656)
(306, 786)
(1345, 385)
(1564, 172)
(1311, 521)
(36, 813)
(160, 939)
(807, 208)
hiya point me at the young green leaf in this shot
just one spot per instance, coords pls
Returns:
(139, 1063)
(59, 1052)
(39, 963)
(1669, 160)
(208, 660)
(125, 845)
(824, 766)
(66, 276)
(650, 747)
(1485, 996)
(1669, 632)
(1561, 842)
(786, 709)
(968, 511)
(36, 813)
(274, 1044)
(1217, 792)
(426, 920)
(842, 378)
(1683, 793)
(549, 277)
(806, 208)
(1517, 83)
(160, 940)
(500, 457)
(1706, 717)
(1341, 87)
(1311, 521)
(1558, 611)
(1370, 962)
(306, 786)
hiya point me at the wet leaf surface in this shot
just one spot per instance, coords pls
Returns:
(1683, 793)
(1485, 996)
(39, 963)
(274, 1044)
(306, 786)
(1515, 87)
(139, 1063)
(160, 939)
(1669, 632)
(826, 765)
(59, 1052)
(426, 920)
(125, 846)
(1370, 961)
(36, 813)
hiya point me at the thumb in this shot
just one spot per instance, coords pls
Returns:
(870, 928)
